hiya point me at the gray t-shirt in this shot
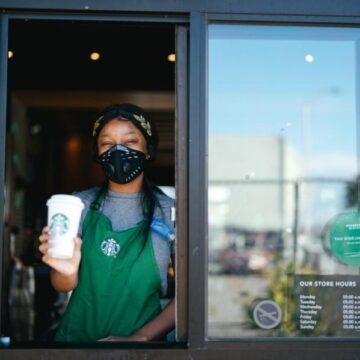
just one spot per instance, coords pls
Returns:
(125, 210)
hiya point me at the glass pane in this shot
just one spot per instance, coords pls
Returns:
(284, 225)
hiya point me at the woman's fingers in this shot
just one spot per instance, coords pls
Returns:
(105, 339)
(64, 266)
(55, 263)
(77, 244)
(44, 240)
(46, 259)
(44, 236)
(45, 230)
(77, 249)
(44, 247)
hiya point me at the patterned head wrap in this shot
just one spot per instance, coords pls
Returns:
(134, 114)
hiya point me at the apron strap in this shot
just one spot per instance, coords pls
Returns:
(98, 199)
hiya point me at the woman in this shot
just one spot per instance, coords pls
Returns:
(119, 267)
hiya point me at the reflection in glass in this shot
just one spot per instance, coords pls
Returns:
(282, 166)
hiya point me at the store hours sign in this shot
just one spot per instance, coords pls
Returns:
(327, 305)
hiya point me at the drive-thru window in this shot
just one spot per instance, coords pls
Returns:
(257, 112)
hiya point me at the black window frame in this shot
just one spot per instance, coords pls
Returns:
(181, 33)
(198, 14)
(257, 348)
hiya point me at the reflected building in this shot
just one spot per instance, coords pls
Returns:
(262, 200)
(252, 174)
(251, 189)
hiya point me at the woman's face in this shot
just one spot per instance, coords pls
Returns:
(122, 132)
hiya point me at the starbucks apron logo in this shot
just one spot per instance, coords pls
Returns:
(59, 224)
(110, 247)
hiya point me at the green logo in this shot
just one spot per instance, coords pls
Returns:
(59, 224)
(345, 238)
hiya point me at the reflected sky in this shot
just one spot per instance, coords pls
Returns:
(295, 82)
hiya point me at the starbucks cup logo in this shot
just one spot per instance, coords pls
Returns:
(59, 225)
(64, 214)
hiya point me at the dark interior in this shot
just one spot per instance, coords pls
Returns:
(54, 94)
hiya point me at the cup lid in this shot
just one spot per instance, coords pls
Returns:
(70, 199)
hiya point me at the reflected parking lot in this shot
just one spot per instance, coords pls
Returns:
(231, 303)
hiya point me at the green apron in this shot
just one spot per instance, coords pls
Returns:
(119, 284)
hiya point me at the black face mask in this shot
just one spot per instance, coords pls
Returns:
(122, 164)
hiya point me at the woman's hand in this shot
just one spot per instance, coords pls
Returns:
(133, 337)
(65, 267)
(156, 329)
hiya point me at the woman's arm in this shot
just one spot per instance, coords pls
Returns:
(64, 272)
(63, 283)
(159, 326)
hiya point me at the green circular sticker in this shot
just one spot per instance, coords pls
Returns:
(345, 238)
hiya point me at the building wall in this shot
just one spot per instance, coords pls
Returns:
(257, 199)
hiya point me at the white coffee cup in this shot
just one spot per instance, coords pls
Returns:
(64, 213)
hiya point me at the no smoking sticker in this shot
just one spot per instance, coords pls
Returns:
(267, 314)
